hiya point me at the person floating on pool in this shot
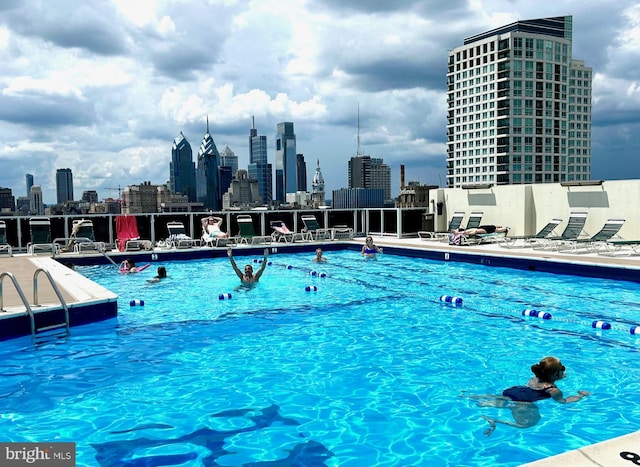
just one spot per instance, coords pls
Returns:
(318, 258)
(162, 274)
(129, 266)
(247, 275)
(521, 399)
(212, 226)
(369, 250)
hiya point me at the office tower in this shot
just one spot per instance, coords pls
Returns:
(182, 170)
(381, 177)
(36, 204)
(229, 159)
(286, 179)
(360, 172)
(29, 180)
(258, 167)
(64, 185)
(7, 200)
(301, 172)
(519, 107)
(317, 188)
(209, 173)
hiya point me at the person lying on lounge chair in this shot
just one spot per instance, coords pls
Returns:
(211, 225)
(481, 230)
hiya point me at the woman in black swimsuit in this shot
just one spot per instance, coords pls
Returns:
(521, 399)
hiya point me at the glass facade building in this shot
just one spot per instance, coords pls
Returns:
(286, 161)
(64, 185)
(259, 168)
(182, 170)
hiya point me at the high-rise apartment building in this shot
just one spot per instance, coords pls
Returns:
(519, 107)
(182, 170)
(301, 172)
(286, 174)
(259, 169)
(64, 185)
(372, 173)
(208, 174)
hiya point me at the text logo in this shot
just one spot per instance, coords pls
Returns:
(38, 454)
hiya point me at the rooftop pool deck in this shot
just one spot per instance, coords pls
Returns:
(87, 301)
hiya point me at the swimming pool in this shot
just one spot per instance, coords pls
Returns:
(370, 369)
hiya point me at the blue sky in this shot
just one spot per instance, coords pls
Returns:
(104, 87)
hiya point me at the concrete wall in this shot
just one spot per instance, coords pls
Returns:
(528, 208)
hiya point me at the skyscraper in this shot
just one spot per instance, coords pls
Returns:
(370, 172)
(209, 173)
(29, 180)
(258, 168)
(182, 170)
(301, 172)
(286, 178)
(64, 185)
(229, 159)
(519, 106)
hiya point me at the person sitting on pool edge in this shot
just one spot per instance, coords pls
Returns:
(248, 275)
(318, 258)
(521, 399)
(369, 250)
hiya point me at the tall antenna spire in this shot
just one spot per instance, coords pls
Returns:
(358, 148)
(207, 123)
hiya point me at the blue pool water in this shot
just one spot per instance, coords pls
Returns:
(370, 369)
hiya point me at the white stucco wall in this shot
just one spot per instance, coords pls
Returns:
(528, 208)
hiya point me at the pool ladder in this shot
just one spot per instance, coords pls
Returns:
(35, 330)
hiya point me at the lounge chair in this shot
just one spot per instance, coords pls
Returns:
(83, 237)
(618, 247)
(247, 233)
(127, 236)
(178, 237)
(341, 232)
(572, 231)
(480, 239)
(40, 228)
(590, 244)
(525, 241)
(474, 220)
(281, 233)
(454, 224)
(313, 229)
(4, 245)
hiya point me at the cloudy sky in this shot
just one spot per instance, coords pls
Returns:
(104, 86)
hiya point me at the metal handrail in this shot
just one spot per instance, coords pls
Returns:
(55, 289)
(22, 297)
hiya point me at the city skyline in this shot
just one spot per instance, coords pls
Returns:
(104, 88)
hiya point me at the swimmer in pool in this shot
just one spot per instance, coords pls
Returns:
(369, 250)
(248, 276)
(318, 258)
(521, 399)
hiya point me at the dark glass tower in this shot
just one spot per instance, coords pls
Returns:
(64, 185)
(259, 169)
(209, 188)
(286, 179)
(182, 170)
